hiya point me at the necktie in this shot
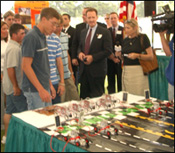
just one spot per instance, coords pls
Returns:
(87, 43)
(113, 35)
(64, 30)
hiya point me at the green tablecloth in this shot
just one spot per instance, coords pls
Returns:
(157, 81)
(23, 137)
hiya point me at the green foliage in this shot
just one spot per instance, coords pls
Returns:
(74, 8)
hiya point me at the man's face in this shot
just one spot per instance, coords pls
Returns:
(17, 21)
(66, 20)
(92, 18)
(50, 25)
(114, 20)
(9, 20)
(20, 35)
(59, 28)
(84, 15)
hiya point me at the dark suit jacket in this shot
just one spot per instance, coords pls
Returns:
(100, 49)
(118, 37)
(70, 32)
(76, 38)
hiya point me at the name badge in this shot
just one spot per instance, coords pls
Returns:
(99, 36)
(119, 32)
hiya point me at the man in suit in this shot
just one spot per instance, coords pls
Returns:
(95, 46)
(116, 32)
(76, 38)
(67, 28)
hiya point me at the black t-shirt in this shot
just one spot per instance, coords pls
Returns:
(133, 45)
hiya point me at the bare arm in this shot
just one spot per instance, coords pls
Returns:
(70, 66)
(60, 67)
(165, 44)
(148, 56)
(28, 70)
(12, 77)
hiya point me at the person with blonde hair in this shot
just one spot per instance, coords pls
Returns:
(9, 18)
(133, 79)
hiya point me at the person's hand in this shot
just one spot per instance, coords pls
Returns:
(17, 91)
(53, 92)
(45, 95)
(163, 33)
(75, 62)
(133, 56)
(116, 60)
(81, 56)
(61, 89)
(118, 54)
(89, 59)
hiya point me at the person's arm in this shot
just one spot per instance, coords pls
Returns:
(70, 66)
(28, 70)
(52, 90)
(113, 58)
(61, 86)
(12, 76)
(165, 44)
(148, 56)
(74, 48)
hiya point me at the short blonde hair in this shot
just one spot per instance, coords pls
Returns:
(7, 14)
(133, 23)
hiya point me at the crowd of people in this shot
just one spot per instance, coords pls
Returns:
(43, 66)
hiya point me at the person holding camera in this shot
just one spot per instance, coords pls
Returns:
(168, 48)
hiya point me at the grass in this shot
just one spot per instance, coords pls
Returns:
(2, 146)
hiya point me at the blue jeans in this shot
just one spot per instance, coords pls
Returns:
(15, 104)
(34, 101)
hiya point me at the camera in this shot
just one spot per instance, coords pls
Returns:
(166, 19)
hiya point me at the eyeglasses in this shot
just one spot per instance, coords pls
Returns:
(9, 19)
(54, 24)
(128, 21)
(131, 21)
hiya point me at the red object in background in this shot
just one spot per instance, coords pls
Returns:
(127, 11)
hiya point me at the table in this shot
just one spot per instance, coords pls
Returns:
(157, 81)
(140, 133)
(23, 137)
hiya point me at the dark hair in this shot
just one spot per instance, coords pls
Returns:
(67, 15)
(14, 28)
(92, 10)
(17, 16)
(2, 23)
(49, 13)
(114, 13)
(87, 8)
(7, 14)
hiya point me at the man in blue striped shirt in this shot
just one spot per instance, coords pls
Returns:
(70, 88)
(55, 61)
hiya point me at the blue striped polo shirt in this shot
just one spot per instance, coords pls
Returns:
(64, 46)
(54, 51)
